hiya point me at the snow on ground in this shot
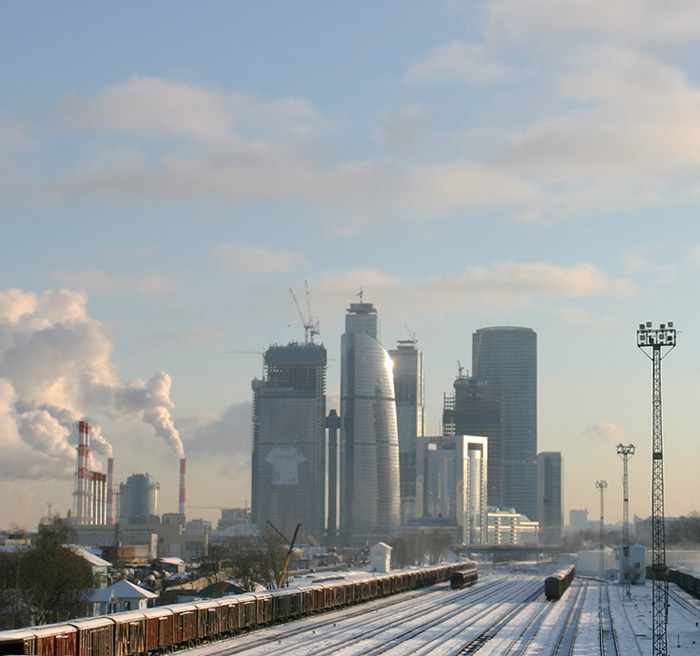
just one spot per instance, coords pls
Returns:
(449, 616)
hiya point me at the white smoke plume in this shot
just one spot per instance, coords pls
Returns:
(55, 368)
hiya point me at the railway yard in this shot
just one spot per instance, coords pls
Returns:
(506, 612)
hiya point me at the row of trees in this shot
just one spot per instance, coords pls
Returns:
(47, 584)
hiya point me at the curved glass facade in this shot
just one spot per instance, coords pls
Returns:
(369, 440)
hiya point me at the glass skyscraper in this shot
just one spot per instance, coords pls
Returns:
(474, 409)
(409, 386)
(505, 357)
(289, 408)
(369, 482)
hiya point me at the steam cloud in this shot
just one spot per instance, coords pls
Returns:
(55, 368)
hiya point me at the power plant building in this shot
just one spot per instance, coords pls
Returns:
(369, 482)
(505, 357)
(409, 387)
(138, 499)
(288, 459)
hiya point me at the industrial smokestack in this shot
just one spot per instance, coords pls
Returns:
(110, 491)
(181, 509)
(82, 481)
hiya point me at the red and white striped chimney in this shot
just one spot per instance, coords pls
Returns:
(82, 483)
(181, 508)
(110, 491)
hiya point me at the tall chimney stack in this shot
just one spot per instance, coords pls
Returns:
(181, 509)
(110, 491)
(82, 482)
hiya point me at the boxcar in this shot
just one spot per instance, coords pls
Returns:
(56, 640)
(17, 641)
(95, 636)
(556, 584)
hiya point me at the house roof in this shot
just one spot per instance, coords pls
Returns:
(126, 590)
(94, 560)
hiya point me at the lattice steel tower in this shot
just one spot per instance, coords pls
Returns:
(656, 339)
(625, 452)
(602, 486)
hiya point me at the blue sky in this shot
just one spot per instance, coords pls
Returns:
(175, 167)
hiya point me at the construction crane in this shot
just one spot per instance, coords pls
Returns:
(310, 324)
(289, 551)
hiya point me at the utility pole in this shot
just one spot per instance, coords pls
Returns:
(602, 486)
(656, 339)
(625, 452)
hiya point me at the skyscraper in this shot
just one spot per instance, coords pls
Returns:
(409, 386)
(474, 409)
(369, 439)
(549, 497)
(505, 357)
(289, 407)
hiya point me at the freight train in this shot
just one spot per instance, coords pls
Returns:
(687, 579)
(557, 583)
(466, 576)
(165, 628)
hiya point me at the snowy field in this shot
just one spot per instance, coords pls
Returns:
(504, 613)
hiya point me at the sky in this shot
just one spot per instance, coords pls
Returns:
(170, 170)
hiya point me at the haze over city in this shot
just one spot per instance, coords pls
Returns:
(168, 171)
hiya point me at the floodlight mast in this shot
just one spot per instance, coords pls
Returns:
(656, 340)
(625, 452)
(602, 486)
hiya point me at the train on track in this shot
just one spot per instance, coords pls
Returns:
(687, 579)
(166, 628)
(464, 577)
(556, 584)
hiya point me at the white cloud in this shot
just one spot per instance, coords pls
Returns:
(459, 61)
(546, 22)
(150, 284)
(148, 105)
(507, 284)
(635, 117)
(606, 432)
(248, 258)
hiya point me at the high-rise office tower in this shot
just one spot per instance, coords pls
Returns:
(549, 497)
(289, 417)
(474, 409)
(369, 439)
(506, 358)
(409, 386)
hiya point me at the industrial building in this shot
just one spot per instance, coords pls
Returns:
(288, 459)
(138, 499)
(409, 387)
(505, 357)
(369, 442)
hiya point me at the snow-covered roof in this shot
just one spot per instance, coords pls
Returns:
(103, 595)
(172, 561)
(237, 530)
(88, 556)
(126, 590)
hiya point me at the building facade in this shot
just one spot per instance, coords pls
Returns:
(453, 483)
(138, 499)
(549, 497)
(288, 460)
(409, 386)
(369, 442)
(474, 410)
(505, 358)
